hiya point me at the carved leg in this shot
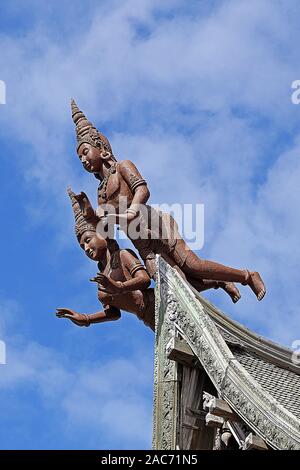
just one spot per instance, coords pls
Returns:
(205, 284)
(231, 289)
(150, 264)
(198, 268)
(151, 267)
(174, 265)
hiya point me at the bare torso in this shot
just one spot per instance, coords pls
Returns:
(121, 267)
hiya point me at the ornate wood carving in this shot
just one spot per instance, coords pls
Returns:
(177, 306)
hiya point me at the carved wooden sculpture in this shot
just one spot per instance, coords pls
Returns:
(123, 188)
(122, 281)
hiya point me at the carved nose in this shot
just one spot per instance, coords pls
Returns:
(83, 159)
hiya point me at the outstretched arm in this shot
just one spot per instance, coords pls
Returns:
(82, 319)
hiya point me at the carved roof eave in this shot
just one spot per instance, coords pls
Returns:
(265, 348)
(193, 318)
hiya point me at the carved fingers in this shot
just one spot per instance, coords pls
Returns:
(61, 312)
(107, 285)
(77, 318)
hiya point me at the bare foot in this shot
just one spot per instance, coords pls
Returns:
(231, 289)
(256, 283)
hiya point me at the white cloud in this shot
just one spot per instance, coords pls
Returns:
(228, 68)
(202, 104)
(110, 400)
(114, 397)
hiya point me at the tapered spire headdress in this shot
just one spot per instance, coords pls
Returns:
(85, 218)
(86, 132)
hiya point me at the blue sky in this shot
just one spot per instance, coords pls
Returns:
(198, 95)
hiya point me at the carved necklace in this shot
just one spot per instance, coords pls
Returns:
(103, 185)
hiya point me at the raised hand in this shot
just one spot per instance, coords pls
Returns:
(113, 218)
(107, 284)
(85, 205)
(75, 317)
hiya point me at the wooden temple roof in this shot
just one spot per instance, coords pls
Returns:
(252, 376)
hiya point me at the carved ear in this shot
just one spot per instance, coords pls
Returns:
(105, 155)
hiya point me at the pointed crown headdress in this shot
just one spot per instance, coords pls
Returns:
(85, 218)
(86, 132)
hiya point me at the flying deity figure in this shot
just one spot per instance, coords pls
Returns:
(123, 282)
(122, 199)
(88, 213)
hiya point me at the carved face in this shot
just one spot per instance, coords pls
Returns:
(93, 245)
(90, 157)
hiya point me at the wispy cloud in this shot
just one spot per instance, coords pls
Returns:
(111, 394)
(197, 94)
